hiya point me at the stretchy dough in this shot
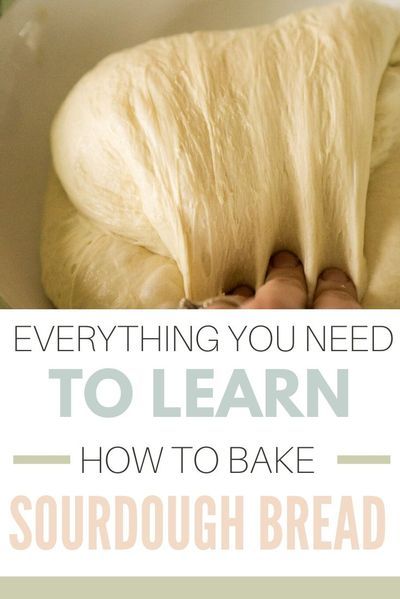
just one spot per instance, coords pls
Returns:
(184, 163)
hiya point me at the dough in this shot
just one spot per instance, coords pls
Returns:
(184, 163)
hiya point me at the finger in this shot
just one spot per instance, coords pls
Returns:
(242, 290)
(335, 290)
(229, 302)
(284, 287)
(232, 301)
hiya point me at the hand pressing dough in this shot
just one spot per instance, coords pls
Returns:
(184, 163)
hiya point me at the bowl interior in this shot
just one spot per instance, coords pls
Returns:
(45, 47)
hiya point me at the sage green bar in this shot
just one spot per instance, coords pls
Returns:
(363, 459)
(41, 459)
(199, 588)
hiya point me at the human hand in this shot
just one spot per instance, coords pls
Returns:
(285, 287)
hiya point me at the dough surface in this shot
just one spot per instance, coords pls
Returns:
(182, 164)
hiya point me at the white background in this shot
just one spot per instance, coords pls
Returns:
(30, 424)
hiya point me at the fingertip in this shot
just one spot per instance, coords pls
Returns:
(284, 259)
(284, 286)
(335, 290)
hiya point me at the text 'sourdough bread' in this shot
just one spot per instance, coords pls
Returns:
(184, 163)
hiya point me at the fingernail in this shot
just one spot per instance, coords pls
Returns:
(335, 275)
(223, 301)
(284, 260)
(243, 291)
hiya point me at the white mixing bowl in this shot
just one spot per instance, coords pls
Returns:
(45, 47)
